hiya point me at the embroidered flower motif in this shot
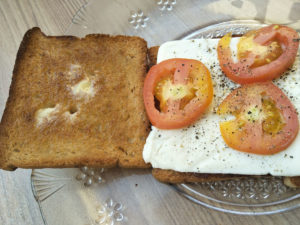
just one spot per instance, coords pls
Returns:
(110, 213)
(166, 4)
(138, 19)
(90, 176)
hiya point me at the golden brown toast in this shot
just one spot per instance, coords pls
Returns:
(75, 102)
(152, 55)
(293, 182)
(170, 176)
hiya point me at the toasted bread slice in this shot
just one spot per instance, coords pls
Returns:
(293, 182)
(75, 102)
(170, 176)
(152, 55)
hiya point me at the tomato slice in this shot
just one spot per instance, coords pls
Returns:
(182, 87)
(262, 55)
(265, 121)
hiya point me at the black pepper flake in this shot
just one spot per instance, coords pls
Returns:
(182, 64)
(159, 135)
(197, 137)
(178, 71)
(291, 156)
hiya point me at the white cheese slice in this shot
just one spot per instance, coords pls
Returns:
(200, 147)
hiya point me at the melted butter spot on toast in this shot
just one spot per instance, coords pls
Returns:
(45, 115)
(83, 88)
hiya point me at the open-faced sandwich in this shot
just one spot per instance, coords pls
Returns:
(243, 121)
(219, 108)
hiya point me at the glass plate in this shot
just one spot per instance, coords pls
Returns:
(113, 196)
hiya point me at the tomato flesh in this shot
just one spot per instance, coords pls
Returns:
(183, 88)
(265, 121)
(165, 90)
(262, 55)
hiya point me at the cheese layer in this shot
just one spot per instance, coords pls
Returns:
(200, 147)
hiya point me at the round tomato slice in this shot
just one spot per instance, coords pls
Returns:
(176, 92)
(265, 121)
(262, 55)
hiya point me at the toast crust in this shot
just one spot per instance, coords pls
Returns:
(105, 127)
(293, 182)
(173, 177)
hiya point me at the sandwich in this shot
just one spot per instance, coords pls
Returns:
(200, 151)
(79, 102)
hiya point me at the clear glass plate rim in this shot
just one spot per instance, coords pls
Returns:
(241, 213)
(209, 26)
(294, 197)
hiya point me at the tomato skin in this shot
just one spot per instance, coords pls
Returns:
(246, 133)
(173, 118)
(242, 72)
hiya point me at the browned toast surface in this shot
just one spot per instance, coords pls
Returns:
(293, 182)
(170, 176)
(152, 55)
(75, 102)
